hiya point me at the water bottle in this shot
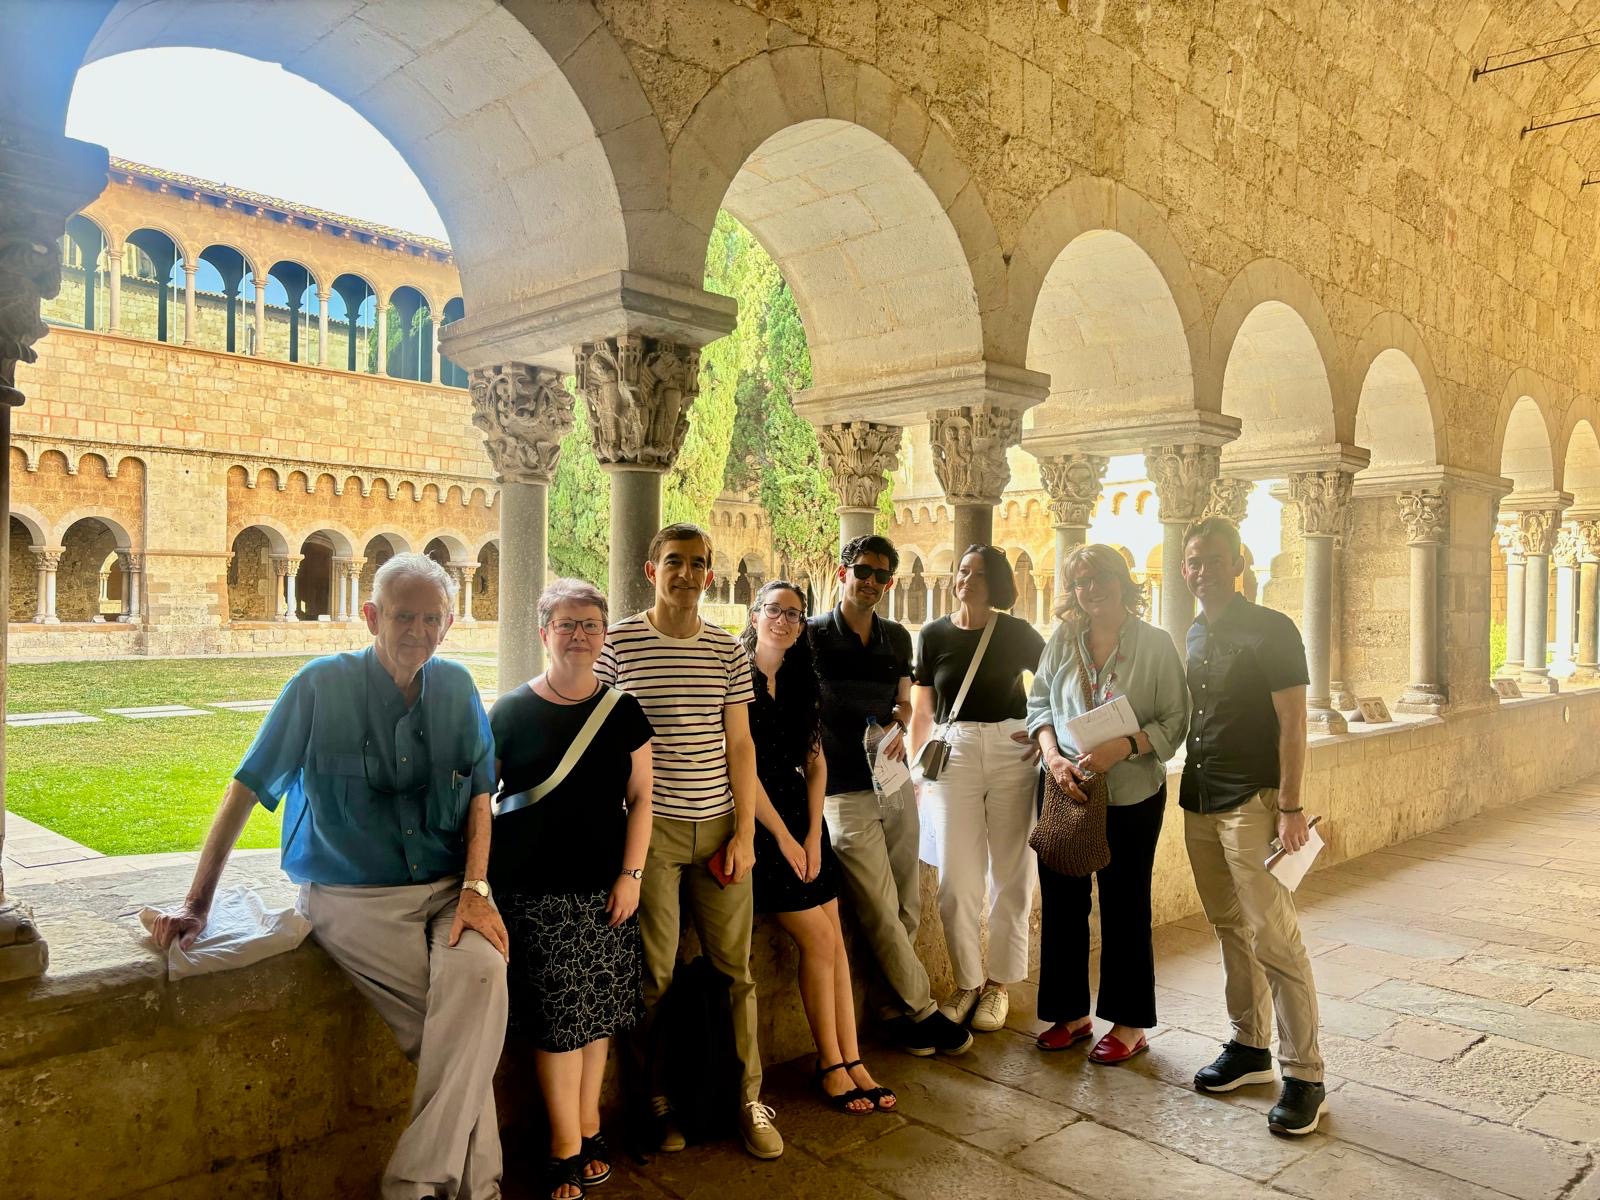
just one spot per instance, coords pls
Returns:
(870, 741)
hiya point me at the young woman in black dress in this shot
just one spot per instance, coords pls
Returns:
(796, 875)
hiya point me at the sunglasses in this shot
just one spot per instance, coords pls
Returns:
(876, 574)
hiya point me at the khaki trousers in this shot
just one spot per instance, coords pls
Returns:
(1264, 962)
(675, 874)
(877, 853)
(447, 1007)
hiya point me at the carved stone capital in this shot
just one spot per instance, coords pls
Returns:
(1565, 551)
(524, 412)
(1322, 497)
(286, 564)
(856, 455)
(133, 562)
(1229, 498)
(1589, 541)
(1182, 475)
(1536, 530)
(354, 567)
(1425, 515)
(969, 450)
(639, 391)
(1073, 482)
(47, 558)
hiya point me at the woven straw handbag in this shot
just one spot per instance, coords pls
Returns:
(1070, 838)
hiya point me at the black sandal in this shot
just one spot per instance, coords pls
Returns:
(876, 1094)
(843, 1101)
(595, 1150)
(559, 1172)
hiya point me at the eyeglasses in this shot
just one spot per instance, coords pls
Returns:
(566, 628)
(876, 574)
(1084, 582)
(777, 612)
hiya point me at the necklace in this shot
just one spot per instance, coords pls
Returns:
(571, 699)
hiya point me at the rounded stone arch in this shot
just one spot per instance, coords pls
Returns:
(378, 546)
(182, 247)
(353, 311)
(1400, 414)
(1579, 451)
(164, 250)
(254, 591)
(112, 521)
(453, 544)
(32, 520)
(395, 539)
(87, 537)
(317, 579)
(864, 203)
(942, 561)
(339, 538)
(1526, 434)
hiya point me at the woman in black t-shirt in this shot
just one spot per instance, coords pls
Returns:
(980, 811)
(565, 868)
(796, 876)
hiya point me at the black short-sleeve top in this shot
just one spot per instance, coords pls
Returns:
(859, 679)
(572, 840)
(945, 650)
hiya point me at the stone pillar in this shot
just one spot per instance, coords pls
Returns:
(46, 560)
(524, 412)
(1565, 558)
(969, 457)
(1425, 516)
(1516, 577)
(339, 585)
(1322, 497)
(352, 581)
(383, 336)
(1588, 594)
(284, 569)
(189, 321)
(639, 390)
(1182, 475)
(322, 327)
(114, 271)
(1073, 482)
(132, 567)
(260, 348)
(857, 455)
(433, 356)
(465, 574)
(1537, 528)
(1340, 696)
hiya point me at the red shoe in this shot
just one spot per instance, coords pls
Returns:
(1062, 1034)
(1109, 1051)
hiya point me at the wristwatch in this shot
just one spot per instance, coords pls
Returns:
(481, 886)
(635, 873)
(1133, 746)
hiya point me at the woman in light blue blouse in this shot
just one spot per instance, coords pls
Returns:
(1101, 633)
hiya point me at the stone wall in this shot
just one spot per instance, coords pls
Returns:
(1375, 577)
(251, 579)
(24, 574)
(85, 548)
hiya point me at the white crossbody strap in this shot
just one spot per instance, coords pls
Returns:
(568, 760)
(972, 668)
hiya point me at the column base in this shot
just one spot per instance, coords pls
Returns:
(23, 953)
(1534, 684)
(127, 619)
(44, 620)
(1325, 720)
(1343, 698)
(1425, 701)
(1587, 675)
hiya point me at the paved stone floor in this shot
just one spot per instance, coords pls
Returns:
(1460, 983)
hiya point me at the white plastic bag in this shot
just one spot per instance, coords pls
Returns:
(240, 931)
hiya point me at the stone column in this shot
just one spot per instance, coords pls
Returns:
(189, 320)
(1073, 482)
(260, 348)
(434, 356)
(857, 455)
(639, 390)
(465, 574)
(132, 567)
(382, 309)
(352, 581)
(524, 412)
(1538, 528)
(1516, 577)
(1182, 475)
(1322, 497)
(283, 568)
(1425, 516)
(339, 585)
(322, 326)
(969, 457)
(114, 270)
(1565, 557)
(46, 560)
(1588, 593)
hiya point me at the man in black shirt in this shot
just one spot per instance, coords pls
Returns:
(1241, 785)
(864, 661)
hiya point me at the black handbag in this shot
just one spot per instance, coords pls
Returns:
(935, 752)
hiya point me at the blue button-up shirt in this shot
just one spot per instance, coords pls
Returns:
(376, 792)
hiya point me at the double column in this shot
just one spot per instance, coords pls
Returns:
(1425, 517)
(1537, 529)
(131, 564)
(1322, 498)
(464, 574)
(45, 561)
(347, 588)
(1516, 589)
(1182, 474)
(285, 571)
(1073, 482)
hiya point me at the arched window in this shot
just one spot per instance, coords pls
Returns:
(410, 334)
(449, 374)
(352, 318)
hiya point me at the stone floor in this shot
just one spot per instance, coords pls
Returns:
(1460, 983)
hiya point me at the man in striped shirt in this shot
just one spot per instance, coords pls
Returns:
(693, 680)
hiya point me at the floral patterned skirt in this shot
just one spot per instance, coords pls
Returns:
(573, 978)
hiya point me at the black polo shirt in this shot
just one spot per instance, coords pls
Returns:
(1236, 662)
(858, 680)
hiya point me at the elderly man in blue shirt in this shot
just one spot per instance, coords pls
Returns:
(384, 761)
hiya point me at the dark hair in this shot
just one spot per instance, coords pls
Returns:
(799, 686)
(1209, 527)
(997, 576)
(683, 531)
(872, 543)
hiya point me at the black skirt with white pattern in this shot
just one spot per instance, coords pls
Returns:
(573, 978)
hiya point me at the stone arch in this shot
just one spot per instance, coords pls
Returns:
(252, 579)
(353, 312)
(24, 534)
(1400, 414)
(152, 306)
(1525, 436)
(85, 541)
(378, 547)
(292, 286)
(84, 301)
(1580, 455)
(452, 545)
(316, 578)
(227, 273)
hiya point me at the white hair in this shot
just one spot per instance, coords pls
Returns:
(404, 567)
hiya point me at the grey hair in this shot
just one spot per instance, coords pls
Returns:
(571, 591)
(404, 567)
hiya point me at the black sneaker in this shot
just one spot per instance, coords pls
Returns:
(934, 1034)
(1236, 1066)
(1299, 1108)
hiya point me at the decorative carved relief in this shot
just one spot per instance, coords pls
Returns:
(1183, 476)
(1425, 515)
(286, 564)
(856, 455)
(639, 391)
(524, 412)
(1229, 498)
(1565, 551)
(48, 559)
(132, 562)
(1073, 482)
(969, 450)
(1322, 497)
(1536, 530)
(1589, 541)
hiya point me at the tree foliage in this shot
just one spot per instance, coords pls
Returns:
(580, 505)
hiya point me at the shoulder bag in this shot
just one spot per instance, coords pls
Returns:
(507, 804)
(1070, 837)
(935, 751)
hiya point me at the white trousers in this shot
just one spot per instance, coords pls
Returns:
(980, 812)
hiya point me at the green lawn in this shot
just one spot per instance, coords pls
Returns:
(124, 786)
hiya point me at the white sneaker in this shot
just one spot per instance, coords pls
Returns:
(993, 1008)
(761, 1136)
(959, 1005)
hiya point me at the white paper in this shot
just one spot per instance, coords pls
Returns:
(240, 930)
(1291, 868)
(1113, 719)
(892, 774)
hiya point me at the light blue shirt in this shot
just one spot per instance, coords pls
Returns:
(1147, 670)
(376, 793)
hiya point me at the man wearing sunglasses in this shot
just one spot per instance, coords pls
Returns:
(864, 660)
(384, 759)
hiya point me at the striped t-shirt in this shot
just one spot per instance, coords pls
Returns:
(683, 685)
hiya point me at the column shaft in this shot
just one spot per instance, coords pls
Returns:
(290, 600)
(523, 532)
(635, 517)
(854, 523)
(382, 367)
(973, 525)
(1424, 693)
(189, 321)
(1566, 602)
(50, 617)
(1588, 619)
(339, 569)
(469, 574)
(1536, 626)
(1068, 538)
(40, 611)
(1516, 584)
(260, 347)
(1317, 623)
(1177, 603)
(322, 328)
(114, 272)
